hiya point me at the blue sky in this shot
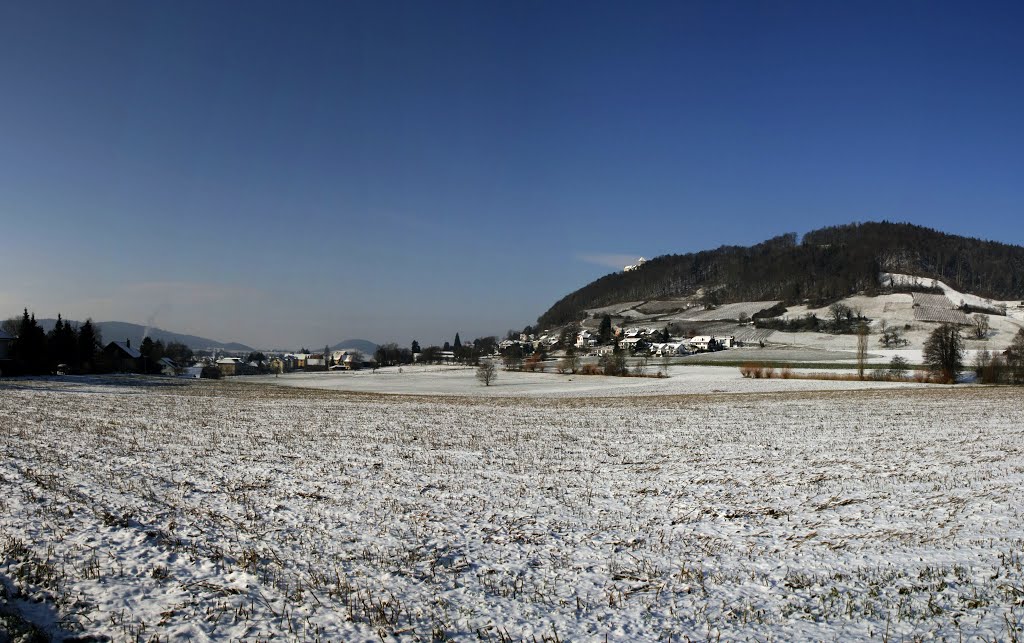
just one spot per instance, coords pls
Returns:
(286, 174)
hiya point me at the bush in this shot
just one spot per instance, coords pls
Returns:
(898, 367)
(751, 370)
(210, 372)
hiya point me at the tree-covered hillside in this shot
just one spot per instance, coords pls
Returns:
(826, 264)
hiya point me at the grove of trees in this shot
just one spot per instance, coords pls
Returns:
(35, 352)
(826, 265)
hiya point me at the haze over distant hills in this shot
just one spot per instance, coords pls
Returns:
(826, 264)
(364, 346)
(120, 331)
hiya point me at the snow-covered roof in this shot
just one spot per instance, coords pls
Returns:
(128, 350)
(230, 360)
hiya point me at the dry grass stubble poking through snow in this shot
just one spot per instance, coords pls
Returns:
(231, 511)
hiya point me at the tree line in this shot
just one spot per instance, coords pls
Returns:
(71, 348)
(469, 353)
(826, 265)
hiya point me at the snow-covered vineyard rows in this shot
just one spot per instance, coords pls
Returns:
(232, 511)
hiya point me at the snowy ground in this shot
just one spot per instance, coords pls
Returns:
(239, 511)
(461, 381)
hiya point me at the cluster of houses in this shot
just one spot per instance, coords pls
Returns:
(347, 360)
(123, 357)
(650, 340)
(634, 340)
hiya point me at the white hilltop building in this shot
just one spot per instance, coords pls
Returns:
(639, 262)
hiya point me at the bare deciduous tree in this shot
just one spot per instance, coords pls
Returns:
(862, 348)
(944, 352)
(486, 372)
(981, 326)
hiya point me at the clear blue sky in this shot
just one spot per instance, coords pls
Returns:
(286, 174)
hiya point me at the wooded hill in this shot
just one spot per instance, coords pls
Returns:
(825, 265)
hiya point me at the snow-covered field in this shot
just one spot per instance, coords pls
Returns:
(236, 510)
(461, 381)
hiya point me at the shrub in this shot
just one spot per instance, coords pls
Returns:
(898, 367)
(752, 370)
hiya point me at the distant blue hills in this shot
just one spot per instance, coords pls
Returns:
(364, 346)
(117, 331)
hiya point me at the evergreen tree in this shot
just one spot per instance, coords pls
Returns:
(604, 332)
(30, 346)
(458, 342)
(415, 346)
(152, 352)
(63, 343)
(89, 340)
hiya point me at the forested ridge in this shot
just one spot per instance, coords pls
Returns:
(825, 265)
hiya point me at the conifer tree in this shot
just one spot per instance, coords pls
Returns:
(604, 332)
(89, 340)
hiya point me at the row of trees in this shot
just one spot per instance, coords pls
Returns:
(391, 354)
(944, 355)
(36, 352)
(76, 349)
(1002, 368)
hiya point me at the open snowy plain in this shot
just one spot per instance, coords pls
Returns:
(247, 511)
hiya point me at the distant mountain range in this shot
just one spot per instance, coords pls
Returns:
(364, 346)
(117, 331)
(825, 265)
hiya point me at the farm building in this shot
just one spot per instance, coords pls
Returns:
(123, 357)
(230, 365)
(167, 366)
(236, 366)
(346, 360)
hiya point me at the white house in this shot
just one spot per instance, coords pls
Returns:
(630, 343)
(670, 348)
(586, 339)
(703, 342)
(639, 262)
(347, 360)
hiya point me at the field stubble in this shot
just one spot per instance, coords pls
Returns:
(239, 511)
